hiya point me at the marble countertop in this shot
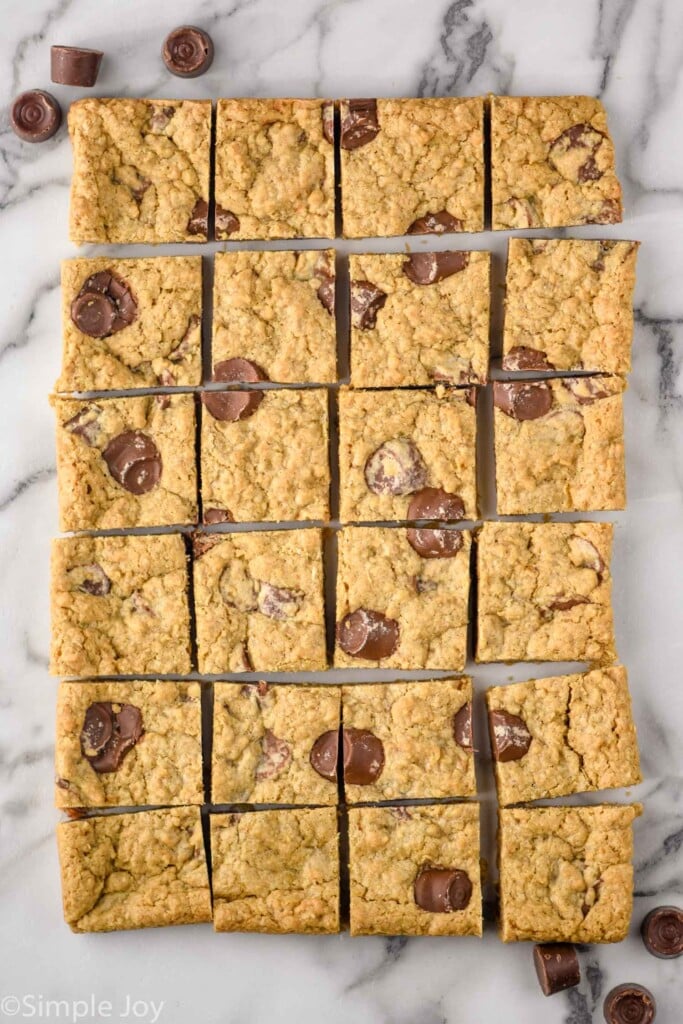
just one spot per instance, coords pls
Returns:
(629, 53)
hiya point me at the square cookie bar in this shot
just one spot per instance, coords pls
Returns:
(552, 163)
(559, 445)
(273, 317)
(264, 456)
(141, 870)
(568, 304)
(276, 871)
(544, 592)
(131, 323)
(419, 318)
(119, 606)
(126, 462)
(274, 168)
(415, 870)
(561, 735)
(128, 744)
(408, 740)
(402, 598)
(407, 455)
(566, 873)
(259, 601)
(140, 171)
(275, 744)
(412, 166)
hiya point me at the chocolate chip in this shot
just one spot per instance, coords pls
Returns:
(366, 301)
(218, 515)
(90, 579)
(435, 224)
(396, 467)
(462, 727)
(198, 224)
(35, 116)
(363, 755)
(522, 358)
(86, 424)
(359, 123)
(587, 390)
(324, 755)
(134, 461)
(328, 122)
(434, 543)
(232, 405)
(109, 732)
(522, 400)
(104, 305)
(278, 603)
(226, 222)
(563, 604)
(238, 369)
(573, 166)
(187, 51)
(435, 503)
(324, 271)
(365, 633)
(629, 1004)
(72, 65)
(276, 755)
(442, 890)
(431, 267)
(557, 967)
(662, 932)
(510, 738)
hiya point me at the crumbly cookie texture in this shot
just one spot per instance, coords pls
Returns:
(552, 163)
(425, 159)
(276, 309)
(544, 592)
(140, 870)
(379, 571)
(276, 871)
(566, 873)
(259, 602)
(141, 170)
(559, 445)
(394, 444)
(263, 737)
(274, 169)
(271, 465)
(578, 732)
(390, 847)
(162, 766)
(433, 324)
(126, 462)
(119, 606)
(569, 304)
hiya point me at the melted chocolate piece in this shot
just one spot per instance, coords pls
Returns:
(462, 727)
(442, 890)
(365, 633)
(109, 731)
(434, 543)
(231, 406)
(435, 503)
(366, 301)
(510, 738)
(522, 358)
(430, 267)
(134, 461)
(522, 400)
(396, 467)
(359, 123)
(363, 755)
(237, 369)
(435, 224)
(325, 753)
(104, 305)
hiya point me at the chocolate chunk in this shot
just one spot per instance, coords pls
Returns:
(363, 755)
(510, 738)
(187, 51)
(462, 727)
(522, 400)
(584, 553)
(563, 604)
(226, 222)
(431, 267)
(662, 932)
(134, 461)
(203, 542)
(324, 271)
(218, 515)
(396, 467)
(359, 123)
(629, 1004)
(104, 305)
(442, 890)
(86, 424)
(198, 224)
(35, 116)
(557, 967)
(73, 65)
(184, 346)
(276, 755)
(328, 122)
(324, 755)
(366, 301)
(573, 153)
(278, 603)
(365, 633)
(434, 543)
(435, 224)
(609, 213)
(109, 732)
(434, 503)
(587, 390)
(232, 405)
(238, 369)
(522, 358)
(91, 579)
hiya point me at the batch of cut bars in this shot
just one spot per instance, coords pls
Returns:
(148, 438)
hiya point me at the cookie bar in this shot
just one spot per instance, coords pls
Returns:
(419, 318)
(140, 171)
(568, 304)
(273, 317)
(264, 456)
(119, 606)
(559, 445)
(407, 455)
(561, 735)
(415, 870)
(275, 744)
(544, 592)
(126, 462)
(552, 163)
(259, 602)
(131, 323)
(128, 744)
(276, 871)
(412, 166)
(274, 168)
(140, 870)
(566, 873)
(402, 598)
(408, 740)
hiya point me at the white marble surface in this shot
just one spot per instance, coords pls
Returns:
(627, 51)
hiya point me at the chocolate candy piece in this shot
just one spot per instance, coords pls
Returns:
(557, 967)
(629, 1004)
(218, 515)
(226, 222)
(510, 738)
(109, 732)
(91, 579)
(104, 305)
(522, 358)
(198, 224)
(662, 932)
(434, 503)
(365, 633)
(396, 467)
(522, 400)
(366, 301)
(434, 543)
(278, 603)
(442, 890)
(435, 224)
(363, 755)
(462, 727)
(232, 405)
(86, 424)
(324, 271)
(35, 116)
(74, 65)
(573, 153)
(430, 267)
(587, 390)
(359, 123)
(187, 51)
(325, 753)
(238, 369)
(134, 461)
(276, 755)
